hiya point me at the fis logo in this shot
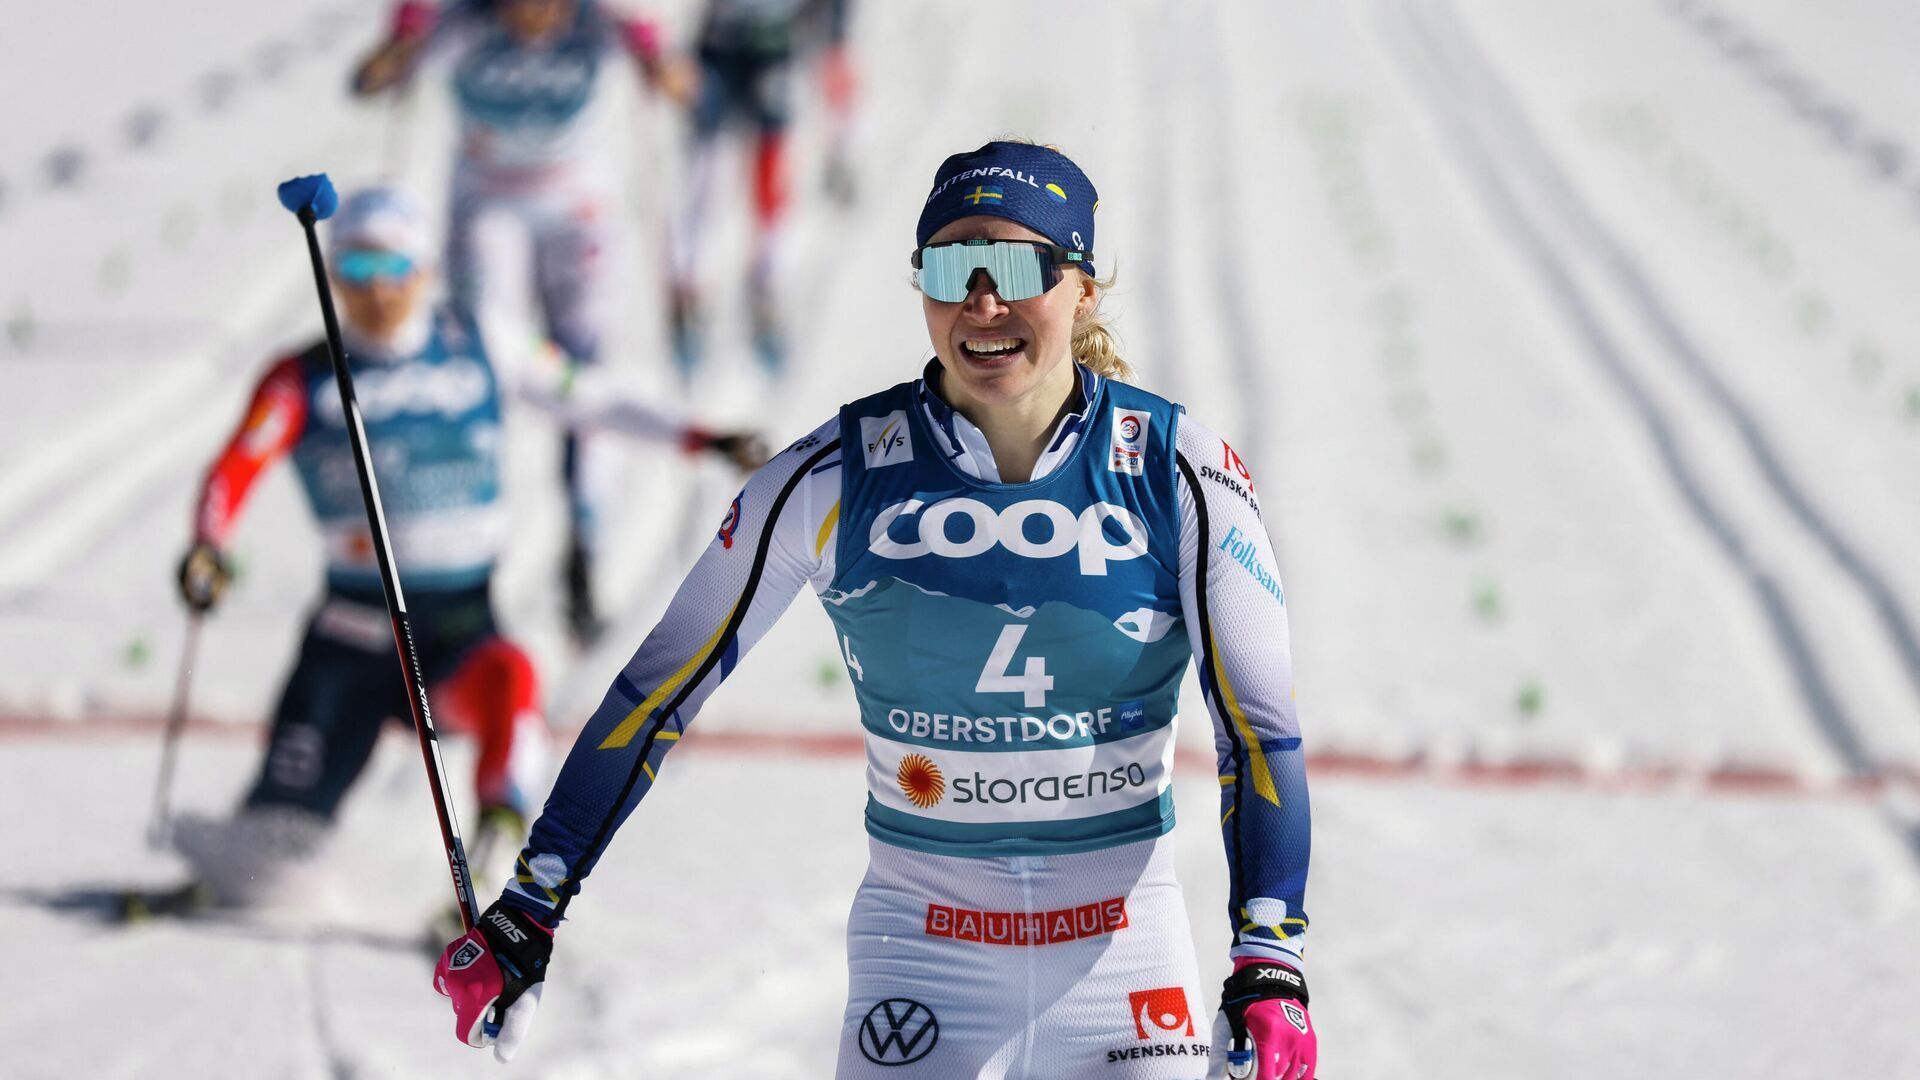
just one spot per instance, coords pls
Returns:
(1162, 1009)
(1129, 440)
(1100, 534)
(886, 439)
(732, 522)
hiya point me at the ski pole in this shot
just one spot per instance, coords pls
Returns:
(312, 198)
(170, 741)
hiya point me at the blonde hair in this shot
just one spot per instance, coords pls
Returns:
(1095, 345)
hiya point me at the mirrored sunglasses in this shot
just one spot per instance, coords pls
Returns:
(1018, 269)
(362, 266)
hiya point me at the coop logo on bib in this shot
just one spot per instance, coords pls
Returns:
(886, 439)
(1100, 534)
(1129, 442)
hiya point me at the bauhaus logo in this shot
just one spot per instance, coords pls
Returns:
(1034, 528)
(898, 1031)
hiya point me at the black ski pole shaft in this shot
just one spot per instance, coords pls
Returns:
(170, 740)
(312, 198)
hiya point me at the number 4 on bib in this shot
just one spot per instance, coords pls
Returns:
(997, 677)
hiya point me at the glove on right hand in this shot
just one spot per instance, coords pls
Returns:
(494, 974)
(1272, 1037)
(204, 575)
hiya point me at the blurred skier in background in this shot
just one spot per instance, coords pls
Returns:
(431, 399)
(526, 83)
(748, 51)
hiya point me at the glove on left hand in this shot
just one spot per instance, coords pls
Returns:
(1265, 1004)
(494, 974)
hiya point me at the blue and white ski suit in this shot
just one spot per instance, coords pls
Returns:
(1016, 651)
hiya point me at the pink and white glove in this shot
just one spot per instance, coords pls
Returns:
(412, 20)
(1271, 1035)
(494, 973)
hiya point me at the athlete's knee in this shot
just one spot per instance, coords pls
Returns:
(769, 176)
(499, 683)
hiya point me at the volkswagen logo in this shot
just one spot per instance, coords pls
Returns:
(898, 1032)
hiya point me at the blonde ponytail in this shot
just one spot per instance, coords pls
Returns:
(1094, 343)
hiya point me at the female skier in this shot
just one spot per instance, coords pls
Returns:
(431, 398)
(1020, 552)
(525, 82)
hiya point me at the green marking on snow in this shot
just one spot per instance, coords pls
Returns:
(1462, 525)
(1409, 404)
(1913, 403)
(827, 673)
(1486, 601)
(137, 652)
(1812, 313)
(1529, 699)
(1429, 454)
(1867, 362)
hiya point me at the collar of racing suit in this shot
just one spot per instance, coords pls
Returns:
(967, 447)
(406, 341)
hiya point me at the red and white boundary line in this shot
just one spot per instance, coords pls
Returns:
(1516, 772)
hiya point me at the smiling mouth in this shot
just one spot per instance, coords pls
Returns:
(992, 350)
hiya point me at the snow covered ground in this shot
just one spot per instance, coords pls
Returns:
(1571, 346)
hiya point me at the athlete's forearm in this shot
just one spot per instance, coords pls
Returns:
(1236, 616)
(275, 417)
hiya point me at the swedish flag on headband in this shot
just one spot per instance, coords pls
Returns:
(1033, 185)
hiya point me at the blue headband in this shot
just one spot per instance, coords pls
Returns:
(1028, 184)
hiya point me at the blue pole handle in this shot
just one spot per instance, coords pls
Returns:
(313, 194)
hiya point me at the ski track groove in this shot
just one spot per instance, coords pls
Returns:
(1657, 313)
(1423, 55)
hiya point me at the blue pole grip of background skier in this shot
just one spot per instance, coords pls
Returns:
(313, 193)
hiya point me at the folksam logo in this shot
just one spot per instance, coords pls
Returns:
(1243, 551)
(886, 439)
